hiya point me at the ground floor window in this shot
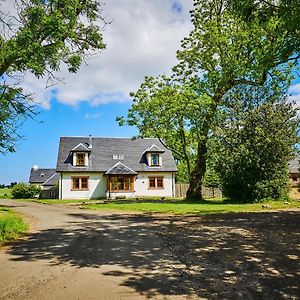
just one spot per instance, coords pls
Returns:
(80, 183)
(121, 183)
(156, 182)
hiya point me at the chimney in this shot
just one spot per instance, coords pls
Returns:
(35, 167)
(90, 143)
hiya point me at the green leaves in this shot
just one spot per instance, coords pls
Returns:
(49, 34)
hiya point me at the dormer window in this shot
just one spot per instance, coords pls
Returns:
(80, 159)
(154, 159)
(153, 156)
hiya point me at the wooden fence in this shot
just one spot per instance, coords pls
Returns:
(207, 192)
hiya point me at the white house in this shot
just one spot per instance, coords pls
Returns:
(91, 168)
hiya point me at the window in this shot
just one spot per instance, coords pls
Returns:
(121, 183)
(156, 182)
(154, 159)
(80, 183)
(80, 159)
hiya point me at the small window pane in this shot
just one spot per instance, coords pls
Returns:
(80, 159)
(127, 183)
(159, 181)
(84, 183)
(152, 182)
(76, 183)
(121, 183)
(154, 159)
(114, 183)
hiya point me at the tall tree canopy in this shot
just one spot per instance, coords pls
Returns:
(38, 38)
(255, 140)
(222, 51)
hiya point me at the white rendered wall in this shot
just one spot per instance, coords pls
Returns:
(141, 186)
(97, 186)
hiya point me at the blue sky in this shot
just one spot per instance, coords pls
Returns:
(141, 40)
(40, 143)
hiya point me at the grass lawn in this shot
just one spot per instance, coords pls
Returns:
(5, 193)
(185, 207)
(58, 201)
(11, 225)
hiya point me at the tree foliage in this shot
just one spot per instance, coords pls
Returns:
(255, 143)
(222, 51)
(25, 191)
(39, 39)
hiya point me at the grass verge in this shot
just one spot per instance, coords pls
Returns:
(11, 225)
(5, 193)
(185, 207)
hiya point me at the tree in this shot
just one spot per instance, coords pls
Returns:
(221, 52)
(47, 35)
(255, 143)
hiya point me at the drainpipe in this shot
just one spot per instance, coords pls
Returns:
(173, 185)
(60, 187)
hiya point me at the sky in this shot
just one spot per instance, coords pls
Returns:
(141, 40)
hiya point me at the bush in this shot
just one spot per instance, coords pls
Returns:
(11, 226)
(25, 191)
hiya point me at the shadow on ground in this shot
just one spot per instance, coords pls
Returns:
(232, 256)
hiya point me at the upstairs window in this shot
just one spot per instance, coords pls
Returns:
(80, 159)
(154, 159)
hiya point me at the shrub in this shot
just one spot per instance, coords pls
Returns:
(23, 190)
(11, 226)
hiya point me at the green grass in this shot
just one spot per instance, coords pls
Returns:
(58, 201)
(11, 225)
(185, 207)
(5, 193)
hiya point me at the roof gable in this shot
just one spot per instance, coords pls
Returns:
(155, 149)
(120, 169)
(80, 148)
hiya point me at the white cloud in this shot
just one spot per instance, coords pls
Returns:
(92, 115)
(295, 94)
(141, 40)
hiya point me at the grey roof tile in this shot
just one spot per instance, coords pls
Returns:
(120, 169)
(40, 175)
(52, 180)
(103, 149)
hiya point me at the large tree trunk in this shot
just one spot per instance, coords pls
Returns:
(195, 190)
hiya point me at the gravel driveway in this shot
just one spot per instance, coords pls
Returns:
(79, 254)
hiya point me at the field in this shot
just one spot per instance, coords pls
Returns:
(185, 207)
(11, 225)
(5, 193)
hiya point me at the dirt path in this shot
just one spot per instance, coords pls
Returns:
(80, 254)
(76, 254)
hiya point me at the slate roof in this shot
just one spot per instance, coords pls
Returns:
(120, 169)
(39, 176)
(294, 165)
(155, 149)
(81, 148)
(52, 180)
(103, 150)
